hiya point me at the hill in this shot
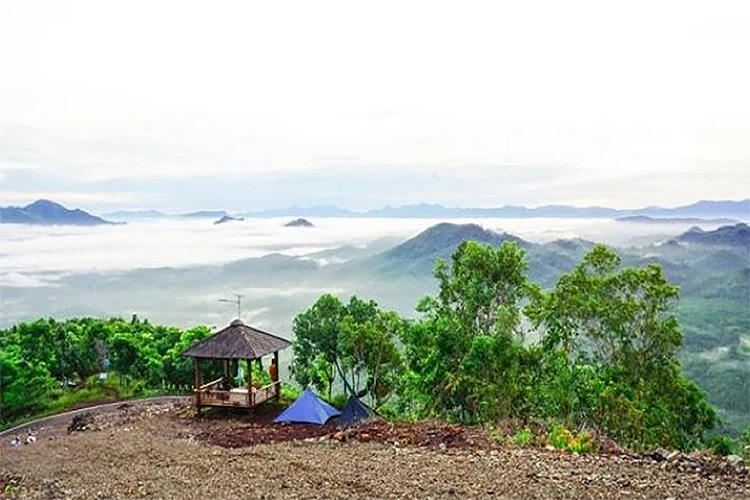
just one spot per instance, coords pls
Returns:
(228, 218)
(299, 223)
(739, 209)
(49, 213)
(735, 236)
(442, 239)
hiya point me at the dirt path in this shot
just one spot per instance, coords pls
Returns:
(61, 420)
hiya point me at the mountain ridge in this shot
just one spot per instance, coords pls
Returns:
(48, 213)
(713, 209)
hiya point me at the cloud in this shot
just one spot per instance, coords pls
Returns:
(245, 91)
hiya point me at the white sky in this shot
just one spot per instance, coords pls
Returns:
(244, 105)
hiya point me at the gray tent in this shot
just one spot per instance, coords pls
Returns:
(354, 412)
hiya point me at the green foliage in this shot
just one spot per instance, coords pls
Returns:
(744, 444)
(575, 442)
(721, 445)
(290, 392)
(38, 361)
(606, 358)
(338, 401)
(614, 341)
(465, 357)
(354, 343)
(522, 437)
(315, 344)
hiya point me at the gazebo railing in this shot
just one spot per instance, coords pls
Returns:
(265, 393)
(211, 395)
(211, 385)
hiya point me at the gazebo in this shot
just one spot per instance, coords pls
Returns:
(235, 342)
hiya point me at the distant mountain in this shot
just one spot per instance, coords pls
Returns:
(49, 213)
(735, 236)
(438, 211)
(207, 214)
(228, 218)
(134, 214)
(314, 211)
(299, 223)
(645, 219)
(701, 210)
(739, 209)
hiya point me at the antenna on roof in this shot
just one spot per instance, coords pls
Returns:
(238, 301)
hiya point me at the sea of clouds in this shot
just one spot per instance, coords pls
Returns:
(38, 255)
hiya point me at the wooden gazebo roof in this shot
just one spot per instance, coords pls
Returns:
(237, 341)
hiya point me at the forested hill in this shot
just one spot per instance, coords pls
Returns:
(45, 212)
(735, 236)
(442, 239)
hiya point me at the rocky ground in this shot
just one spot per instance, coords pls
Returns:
(159, 450)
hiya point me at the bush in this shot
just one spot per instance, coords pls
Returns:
(290, 392)
(721, 445)
(339, 400)
(744, 445)
(564, 439)
(522, 437)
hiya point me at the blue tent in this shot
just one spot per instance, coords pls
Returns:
(308, 409)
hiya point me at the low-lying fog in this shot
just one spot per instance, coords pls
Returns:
(159, 268)
(32, 254)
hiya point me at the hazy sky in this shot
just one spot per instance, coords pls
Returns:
(244, 105)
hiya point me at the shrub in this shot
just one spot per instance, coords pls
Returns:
(564, 439)
(522, 436)
(721, 445)
(339, 400)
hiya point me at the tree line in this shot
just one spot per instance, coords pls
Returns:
(598, 350)
(41, 359)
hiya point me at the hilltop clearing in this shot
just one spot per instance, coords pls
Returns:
(156, 451)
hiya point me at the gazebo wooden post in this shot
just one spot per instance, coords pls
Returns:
(226, 370)
(276, 374)
(250, 382)
(198, 384)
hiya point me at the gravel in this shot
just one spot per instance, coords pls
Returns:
(158, 451)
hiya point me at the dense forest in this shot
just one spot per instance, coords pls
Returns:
(41, 362)
(604, 357)
(597, 351)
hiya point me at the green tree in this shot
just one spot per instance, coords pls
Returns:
(369, 352)
(353, 343)
(619, 323)
(465, 356)
(316, 332)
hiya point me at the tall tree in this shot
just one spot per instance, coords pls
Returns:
(316, 332)
(619, 323)
(466, 349)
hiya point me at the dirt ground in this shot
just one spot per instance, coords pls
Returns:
(159, 450)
